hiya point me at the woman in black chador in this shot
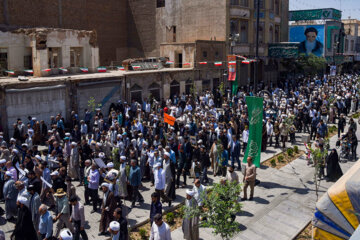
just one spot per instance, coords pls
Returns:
(333, 168)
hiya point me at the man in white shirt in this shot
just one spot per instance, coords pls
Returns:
(159, 175)
(199, 192)
(245, 137)
(159, 229)
(269, 130)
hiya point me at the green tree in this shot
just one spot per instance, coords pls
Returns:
(310, 64)
(92, 104)
(220, 208)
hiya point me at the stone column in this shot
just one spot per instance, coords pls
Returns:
(40, 62)
(65, 56)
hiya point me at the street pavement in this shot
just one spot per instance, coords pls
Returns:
(283, 203)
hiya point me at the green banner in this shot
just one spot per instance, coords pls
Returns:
(255, 112)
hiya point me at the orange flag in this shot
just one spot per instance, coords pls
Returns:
(169, 119)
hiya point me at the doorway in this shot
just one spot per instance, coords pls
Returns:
(180, 60)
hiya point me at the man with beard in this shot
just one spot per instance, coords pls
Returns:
(23, 230)
(34, 204)
(107, 208)
(10, 194)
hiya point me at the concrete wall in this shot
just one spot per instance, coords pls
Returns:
(104, 93)
(39, 102)
(18, 42)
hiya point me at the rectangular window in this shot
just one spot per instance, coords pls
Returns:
(160, 3)
(261, 4)
(234, 2)
(346, 45)
(277, 33)
(174, 33)
(271, 2)
(352, 45)
(244, 29)
(28, 58)
(271, 33)
(234, 27)
(277, 7)
(3, 60)
(244, 3)
(261, 32)
(54, 57)
(76, 57)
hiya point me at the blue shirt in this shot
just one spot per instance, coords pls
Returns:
(46, 225)
(135, 176)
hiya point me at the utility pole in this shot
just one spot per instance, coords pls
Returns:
(257, 45)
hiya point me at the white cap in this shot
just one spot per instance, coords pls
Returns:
(99, 144)
(104, 184)
(33, 118)
(190, 193)
(8, 173)
(2, 161)
(38, 157)
(123, 158)
(23, 200)
(55, 173)
(167, 154)
(74, 144)
(115, 226)
(110, 164)
(24, 145)
(66, 234)
(12, 139)
(101, 155)
(67, 134)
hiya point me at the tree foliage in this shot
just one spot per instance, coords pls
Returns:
(311, 64)
(308, 65)
(220, 208)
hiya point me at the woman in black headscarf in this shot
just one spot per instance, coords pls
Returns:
(333, 168)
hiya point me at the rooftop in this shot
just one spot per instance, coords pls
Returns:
(12, 81)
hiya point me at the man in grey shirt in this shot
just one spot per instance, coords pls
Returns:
(78, 218)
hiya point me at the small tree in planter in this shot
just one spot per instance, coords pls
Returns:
(222, 206)
(318, 156)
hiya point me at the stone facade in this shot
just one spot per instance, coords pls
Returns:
(43, 48)
(109, 19)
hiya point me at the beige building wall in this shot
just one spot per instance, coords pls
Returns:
(193, 20)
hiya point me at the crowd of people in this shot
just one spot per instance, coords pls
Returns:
(118, 150)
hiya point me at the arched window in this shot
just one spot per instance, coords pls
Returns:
(188, 86)
(136, 93)
(174, 88)
(154, 90)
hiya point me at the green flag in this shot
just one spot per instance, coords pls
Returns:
(255, 112)
(235, 85)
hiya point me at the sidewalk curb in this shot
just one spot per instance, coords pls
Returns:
(302, 229)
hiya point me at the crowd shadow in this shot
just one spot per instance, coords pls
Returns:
(244, 214)
(270, 185)
(261, 200)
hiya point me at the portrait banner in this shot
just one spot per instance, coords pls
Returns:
(255, 112)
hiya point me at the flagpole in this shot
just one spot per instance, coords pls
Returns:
(257, 45)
